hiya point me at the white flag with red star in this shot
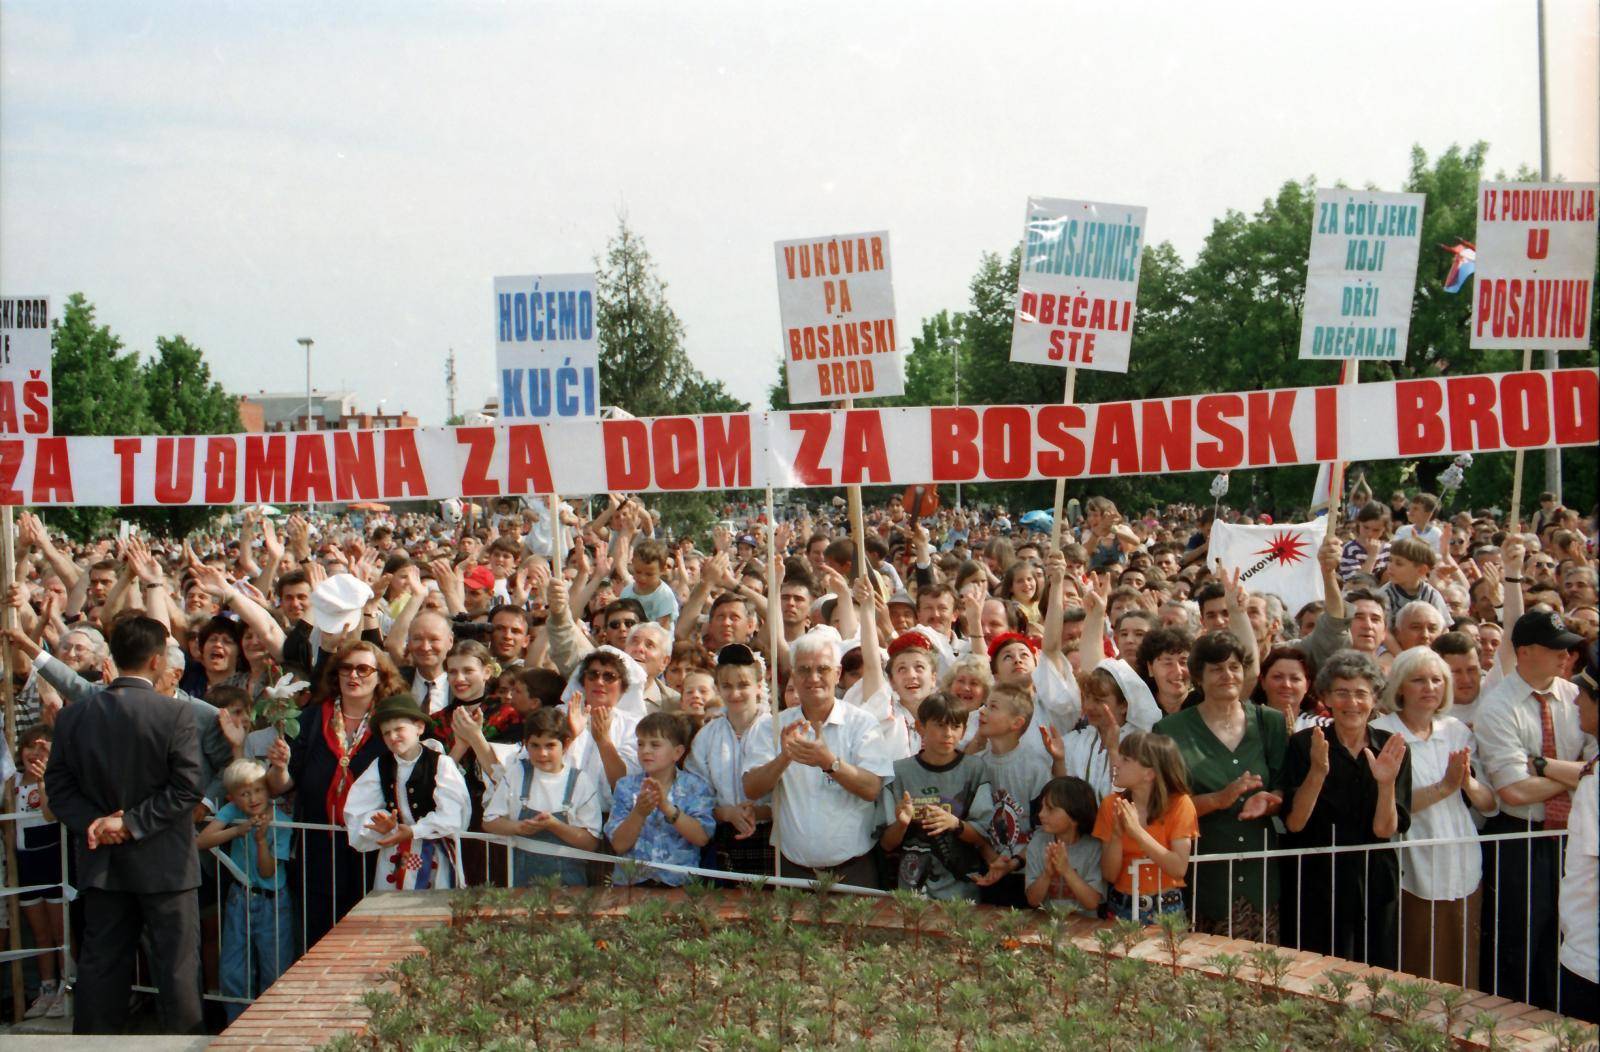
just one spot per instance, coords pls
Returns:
(1280, 560)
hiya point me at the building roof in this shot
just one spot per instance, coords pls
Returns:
(282, 407)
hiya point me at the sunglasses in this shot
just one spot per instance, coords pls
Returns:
(621, 624)
(358, 671)
(601, 675)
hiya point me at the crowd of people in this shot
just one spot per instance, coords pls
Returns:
(1112, 725)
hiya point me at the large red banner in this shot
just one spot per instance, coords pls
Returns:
(1209, 432)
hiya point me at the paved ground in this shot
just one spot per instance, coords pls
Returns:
(17, 1041)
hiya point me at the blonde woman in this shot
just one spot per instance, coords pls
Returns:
(1439, 886)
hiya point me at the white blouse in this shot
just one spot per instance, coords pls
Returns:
(1446, 872)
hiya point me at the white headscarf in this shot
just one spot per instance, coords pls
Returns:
(633, 676)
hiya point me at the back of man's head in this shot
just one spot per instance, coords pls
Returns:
(135, 640)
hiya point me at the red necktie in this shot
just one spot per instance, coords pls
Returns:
(1558, 806)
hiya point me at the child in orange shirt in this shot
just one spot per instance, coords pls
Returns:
(1151, 823)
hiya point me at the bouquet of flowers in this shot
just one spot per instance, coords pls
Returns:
(278, 706)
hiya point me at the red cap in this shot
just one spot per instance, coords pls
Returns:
(912, 640)
(1005, 639)
(479, 578)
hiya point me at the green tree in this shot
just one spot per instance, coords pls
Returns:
(644, 366)
(184, 400)
(931, 365)
(1231, 322)
(98, 391)
(182, 397)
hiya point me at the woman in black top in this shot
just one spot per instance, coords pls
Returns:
(335, 744)
(1350, 786)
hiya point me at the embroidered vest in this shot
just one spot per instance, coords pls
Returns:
(419, 787)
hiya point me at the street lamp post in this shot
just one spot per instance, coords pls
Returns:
(306, 341)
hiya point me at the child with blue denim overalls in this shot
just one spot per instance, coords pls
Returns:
(258, 915)
(538, 797)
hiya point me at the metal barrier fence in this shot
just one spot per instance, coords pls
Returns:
(1468, 922)
(255, 928)
(233, 923)
(11, 887)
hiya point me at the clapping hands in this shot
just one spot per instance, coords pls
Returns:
(1385, 767)
(649, 798)
(389, 827)
(802, 745)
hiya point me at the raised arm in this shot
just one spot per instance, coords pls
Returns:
(67, 682)
(152, 581)
(1328, 563)
(31, 530)
(1239, 625)
(850, 620)
(271, 557)
(1092, 644)
(713, 572)
(395, 642)
(1056, 602)
(252, 614)
(1305, 797)
(1512, 556)
(872, 680)
(451, 586)
(117, 597)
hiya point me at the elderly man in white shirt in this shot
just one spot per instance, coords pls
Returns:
(831, 760)
(1532, 749)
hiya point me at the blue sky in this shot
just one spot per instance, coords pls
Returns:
(246, 174)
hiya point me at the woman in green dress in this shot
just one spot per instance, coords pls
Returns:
(1234, 750)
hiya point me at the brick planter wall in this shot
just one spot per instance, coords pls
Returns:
(320, 996)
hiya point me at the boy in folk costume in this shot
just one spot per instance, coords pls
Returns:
(411, 804)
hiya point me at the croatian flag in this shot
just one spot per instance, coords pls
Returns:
(1461, 267)
(1280, 560)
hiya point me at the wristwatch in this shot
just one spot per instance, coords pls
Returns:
(677, 813)
(834, 766)
(1539, 764)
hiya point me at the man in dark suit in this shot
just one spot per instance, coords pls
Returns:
(124, 776)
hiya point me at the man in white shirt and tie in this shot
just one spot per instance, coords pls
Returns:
(1532, 749)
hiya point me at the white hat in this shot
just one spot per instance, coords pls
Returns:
(336, 603)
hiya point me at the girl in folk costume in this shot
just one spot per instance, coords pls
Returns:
(410, 805)
(742, 842)
(479, 732)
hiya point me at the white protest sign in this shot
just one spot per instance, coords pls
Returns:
(1274, 560)
(1361, 275)
(1077, 284)
(836, 304)
(1536, 257)
(547, 348)
(26, 397)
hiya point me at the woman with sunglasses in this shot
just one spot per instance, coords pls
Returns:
(605, 702)
(337, 741)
